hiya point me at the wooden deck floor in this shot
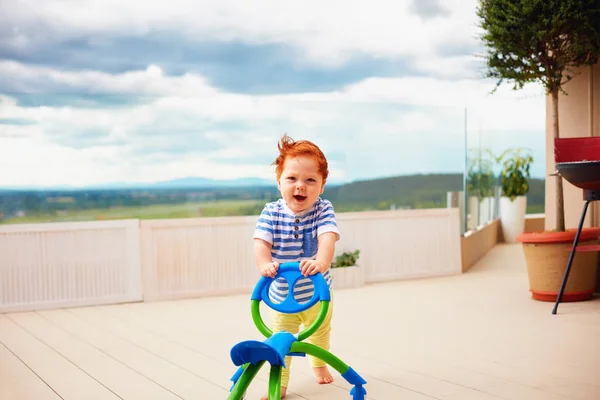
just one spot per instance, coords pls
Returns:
(475, 336)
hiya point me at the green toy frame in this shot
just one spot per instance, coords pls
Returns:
(247, 372)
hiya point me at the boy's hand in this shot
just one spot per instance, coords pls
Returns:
(311, 267)
(269, 269)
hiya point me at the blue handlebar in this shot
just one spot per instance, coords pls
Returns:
(291, 272)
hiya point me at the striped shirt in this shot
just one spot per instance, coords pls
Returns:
(294, 237)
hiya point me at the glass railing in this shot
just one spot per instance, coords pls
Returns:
(494, 134)
(70, 157)
(85, 158)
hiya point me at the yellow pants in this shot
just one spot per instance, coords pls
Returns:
(291, 323)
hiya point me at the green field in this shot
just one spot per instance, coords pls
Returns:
(400, 192)
(155, 211)
(223, 208)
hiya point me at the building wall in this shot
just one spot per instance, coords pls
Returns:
(574, 121)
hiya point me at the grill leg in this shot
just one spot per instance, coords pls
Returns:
(575, 242)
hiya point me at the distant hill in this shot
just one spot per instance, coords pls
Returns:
(192, 183)
(410, 191)
(181, 183)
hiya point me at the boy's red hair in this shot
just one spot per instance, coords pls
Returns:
(289, 148)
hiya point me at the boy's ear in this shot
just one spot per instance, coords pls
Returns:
(323, 186)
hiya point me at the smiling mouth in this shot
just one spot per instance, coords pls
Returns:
(299, 198)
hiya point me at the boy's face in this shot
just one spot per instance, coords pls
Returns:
(300, 183)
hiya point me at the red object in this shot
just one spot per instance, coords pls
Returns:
(578, 161)
(566, 297)
(577, 149)
(568, 236)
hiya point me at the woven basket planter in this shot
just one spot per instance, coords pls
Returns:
(547, 255)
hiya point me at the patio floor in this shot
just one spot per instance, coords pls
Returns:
(474, 336)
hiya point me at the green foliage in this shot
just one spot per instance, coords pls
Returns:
(346, 259)
(539, 40)
(480, 174)
(515, 175)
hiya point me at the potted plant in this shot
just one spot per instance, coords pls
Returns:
(480, 187)
(545, 42)
(345, 272)
(514, 184)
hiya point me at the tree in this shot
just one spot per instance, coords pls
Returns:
(542, 41)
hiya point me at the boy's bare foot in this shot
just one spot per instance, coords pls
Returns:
(323, 375)
(283, 391)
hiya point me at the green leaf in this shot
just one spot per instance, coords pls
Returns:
(346, 259)
(538, 40)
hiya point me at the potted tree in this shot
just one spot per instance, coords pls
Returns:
(514, 183)
(345, 272)
(545, 41)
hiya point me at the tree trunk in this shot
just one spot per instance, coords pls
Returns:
(560, 205)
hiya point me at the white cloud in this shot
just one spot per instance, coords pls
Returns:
(448, 67)
(379, 126)
(38, 162)
(325, 33)
(37, 79)
(505, 109)
(374, 127)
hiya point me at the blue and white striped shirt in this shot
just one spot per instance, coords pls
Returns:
(294, 237)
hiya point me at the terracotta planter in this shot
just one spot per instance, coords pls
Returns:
(547, 254)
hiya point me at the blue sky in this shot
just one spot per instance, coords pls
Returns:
(109, 91)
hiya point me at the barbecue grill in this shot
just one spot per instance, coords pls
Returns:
(578, 162)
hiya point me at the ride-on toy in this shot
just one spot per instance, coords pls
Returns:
(250, 355)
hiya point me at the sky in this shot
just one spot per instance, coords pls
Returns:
(104, 91)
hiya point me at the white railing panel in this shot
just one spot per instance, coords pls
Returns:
(199, 256)
(206, 256)
(403, 244)
(69, 264)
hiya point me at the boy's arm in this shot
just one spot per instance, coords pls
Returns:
(326, 249)
(263, 243)
(262, 257)
(324, 255)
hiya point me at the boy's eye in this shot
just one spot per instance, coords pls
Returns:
(311, 180)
